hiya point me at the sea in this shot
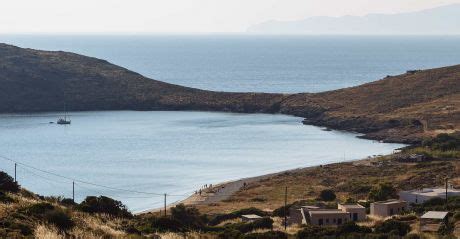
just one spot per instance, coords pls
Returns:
(137, 157)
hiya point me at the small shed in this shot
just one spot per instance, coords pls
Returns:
(250, 217)
(432, 220)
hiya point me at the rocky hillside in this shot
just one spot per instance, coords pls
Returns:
(402, 108)
(32, 80)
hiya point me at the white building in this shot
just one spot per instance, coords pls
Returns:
(420, 196)
(388, 208)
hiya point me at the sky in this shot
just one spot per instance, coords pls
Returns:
(180, 16)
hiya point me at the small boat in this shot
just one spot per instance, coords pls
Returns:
(63, 121)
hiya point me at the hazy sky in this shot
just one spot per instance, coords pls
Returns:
(160, 16)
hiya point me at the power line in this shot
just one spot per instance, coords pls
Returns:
(78, 180)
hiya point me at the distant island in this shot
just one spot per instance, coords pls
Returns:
(405, 108)
(437, 21)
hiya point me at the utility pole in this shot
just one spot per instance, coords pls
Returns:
(73, 191)
(15, 166)
(165, 204)
(447, 179)
(285, 208)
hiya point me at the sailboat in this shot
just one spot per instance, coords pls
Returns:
(64, 120)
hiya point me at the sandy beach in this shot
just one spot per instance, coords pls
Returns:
(222, 191)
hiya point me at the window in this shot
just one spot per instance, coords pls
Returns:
(391, 211)
(333, 220)
(320, 221)
(327, 220)
(339, 221)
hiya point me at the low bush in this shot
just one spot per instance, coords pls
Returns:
(7, 183)
(161, 224)
(392, 225)
(266, 235)
(352, 227)
(438, 204)
(47, 212)
(229, 233)
(9, 225)
(327, 195)
(383, 191)
(59, 218)
(189, 217)
(39, 209)
(443, 142)
(67, 202)
(313, 232)
(263, 223)
(4, 198)
(216, 219)
(105, 205)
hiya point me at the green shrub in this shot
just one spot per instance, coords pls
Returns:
(327, 195)
(229, 233)
(7, 183)
(188, 217)
(216, 219)
(381, 192)
(392, 225)
(313, 232)
(4, 198)
(443, 142)
(104, 204)
(39, 209)
(59, 218)
(163, 224)
(263, 223)
(67, 202)
(352, 227)
(9, 224)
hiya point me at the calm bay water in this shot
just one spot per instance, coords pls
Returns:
(177, 152)
(259, 63)
(165, 152)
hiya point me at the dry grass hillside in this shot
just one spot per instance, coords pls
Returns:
(398, 108)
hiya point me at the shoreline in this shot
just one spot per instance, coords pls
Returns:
(229, 188)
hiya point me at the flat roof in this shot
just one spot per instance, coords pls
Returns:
(391, 201)
(434, 215)
(351, 206)
(332, 211)
(251, 216)
(433, 192)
